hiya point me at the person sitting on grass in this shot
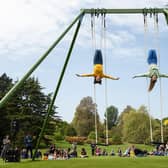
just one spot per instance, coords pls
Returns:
(112, 153)
(104, 152)
(83, 153)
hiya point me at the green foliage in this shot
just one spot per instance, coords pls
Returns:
(58, 136)
(112, 116)
(136, 126)
(70, 131)
(28, 107)
(92, 135)
(84, 119)
(115, 136)
(5, 85)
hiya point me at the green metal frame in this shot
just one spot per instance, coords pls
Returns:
(41, 59)
(58, 86)
(165, 11)
(13, 90)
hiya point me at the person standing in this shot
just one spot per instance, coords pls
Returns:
(6, 146)
(28, 144)
(93, 147)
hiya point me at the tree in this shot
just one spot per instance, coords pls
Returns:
(5, 85)
(70, 131)
(112, 116)
(28, 106)
(136, 126)
(84, 119)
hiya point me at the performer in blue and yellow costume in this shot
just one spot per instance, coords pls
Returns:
(98, 69)
(153, 72)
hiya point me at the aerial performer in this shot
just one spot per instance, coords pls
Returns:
(98, 69)
(153, 72)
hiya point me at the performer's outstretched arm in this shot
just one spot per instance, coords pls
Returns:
(141, 75)
(163, 75)
(110, 77)
(85, 75)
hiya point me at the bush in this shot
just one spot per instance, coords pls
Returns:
(58, 136)
(115, 140)
(76, 139)
(91, 135)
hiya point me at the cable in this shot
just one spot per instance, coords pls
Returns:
(105, 62)
(148, 94)
(94, 47)
(95, 114)
(156, 27)
(150, 116)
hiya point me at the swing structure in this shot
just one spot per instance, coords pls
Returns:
(78, 19)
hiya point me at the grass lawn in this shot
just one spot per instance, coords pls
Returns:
(93, 162)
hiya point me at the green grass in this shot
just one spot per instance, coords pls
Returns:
(93, 162)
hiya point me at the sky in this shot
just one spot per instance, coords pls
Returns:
(29, 27)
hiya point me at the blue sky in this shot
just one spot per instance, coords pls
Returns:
(29, 27)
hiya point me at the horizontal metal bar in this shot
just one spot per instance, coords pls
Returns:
(124, 11)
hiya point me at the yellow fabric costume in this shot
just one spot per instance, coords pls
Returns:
(98, 71)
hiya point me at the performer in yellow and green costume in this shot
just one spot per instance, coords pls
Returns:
(98, 69)
(153, 72)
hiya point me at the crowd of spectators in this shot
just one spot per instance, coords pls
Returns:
(55, 153)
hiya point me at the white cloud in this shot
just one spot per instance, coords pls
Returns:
(29, 27)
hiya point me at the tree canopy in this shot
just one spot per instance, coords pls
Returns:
(28, 108)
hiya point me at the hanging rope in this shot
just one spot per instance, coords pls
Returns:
(150, 116)
(156, 27)
(95, 114)
(161, 112)
(148, 94)
(94, 48)
(105, 69)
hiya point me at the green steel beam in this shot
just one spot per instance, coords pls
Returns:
(57, 87)
(128, 11)
(12, 91)
(123, 11)
(166, 14)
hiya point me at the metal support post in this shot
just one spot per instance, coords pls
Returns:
(58, 86)
(166, 15)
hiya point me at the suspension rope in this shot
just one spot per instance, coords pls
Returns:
(150, 116)
(161, 112)
(148, 94)
(94, 47)
(105, 70)
(156, 26)
(95, 114)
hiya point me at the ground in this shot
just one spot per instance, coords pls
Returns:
(93, 162)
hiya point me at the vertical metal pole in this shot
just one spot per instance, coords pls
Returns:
(58, 86)
(165, 11)
(20, 83)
